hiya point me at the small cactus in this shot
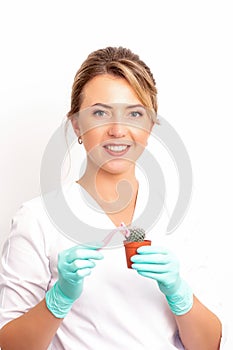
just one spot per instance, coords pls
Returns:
(136, 234)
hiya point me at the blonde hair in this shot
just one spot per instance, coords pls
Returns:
(119, 62)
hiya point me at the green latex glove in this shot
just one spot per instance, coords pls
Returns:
(161, 265)
(74, 265)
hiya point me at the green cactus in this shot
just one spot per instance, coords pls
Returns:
(136, 234)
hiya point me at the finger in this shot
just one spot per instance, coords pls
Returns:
(77, 277)
(83, 273)
(151, 258)
(158, 269)
(147, 249)
(71, 277)
(83, 253)
(157, 277)
(80, 264)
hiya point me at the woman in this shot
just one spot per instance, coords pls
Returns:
(113, 110)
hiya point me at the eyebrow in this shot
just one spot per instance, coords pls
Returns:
(136, 106)
(110, 107)
(102, 105)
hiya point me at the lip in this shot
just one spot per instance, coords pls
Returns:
(116, 153)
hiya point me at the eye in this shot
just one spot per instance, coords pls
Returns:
(100, 113)
(136, 114)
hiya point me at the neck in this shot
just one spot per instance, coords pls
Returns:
(113, 192)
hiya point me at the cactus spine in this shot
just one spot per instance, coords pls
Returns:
(136, 234)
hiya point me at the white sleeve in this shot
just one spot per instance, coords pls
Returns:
(207, 287)
(25, 267)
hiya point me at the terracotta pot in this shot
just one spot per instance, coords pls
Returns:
(131, 249)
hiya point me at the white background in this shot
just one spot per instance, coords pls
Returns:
(188, 46)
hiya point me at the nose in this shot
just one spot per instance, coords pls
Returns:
(117, 129)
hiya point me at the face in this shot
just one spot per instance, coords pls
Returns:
(113, 124)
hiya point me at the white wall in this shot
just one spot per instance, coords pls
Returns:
(187, 44)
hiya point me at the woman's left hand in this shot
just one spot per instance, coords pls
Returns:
(159, 264)
(162, 265)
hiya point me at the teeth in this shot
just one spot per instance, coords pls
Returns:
(115, 148)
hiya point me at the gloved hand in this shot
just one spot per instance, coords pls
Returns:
(161, 265)
(73, 265)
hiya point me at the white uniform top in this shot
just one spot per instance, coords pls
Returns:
(118, 309)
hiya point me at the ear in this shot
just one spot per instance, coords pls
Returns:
(75, 125)
(151, 126)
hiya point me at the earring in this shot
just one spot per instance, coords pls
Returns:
(80, 141)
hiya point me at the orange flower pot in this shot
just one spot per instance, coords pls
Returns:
(131, 249)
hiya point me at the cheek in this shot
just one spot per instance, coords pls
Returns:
(141, 137)
(91, 139)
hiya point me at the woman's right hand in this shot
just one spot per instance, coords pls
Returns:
(74, 264)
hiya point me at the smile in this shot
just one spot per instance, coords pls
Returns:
(116, 149)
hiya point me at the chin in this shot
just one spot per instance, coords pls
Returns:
(118, 167)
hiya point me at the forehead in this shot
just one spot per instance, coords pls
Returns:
(108, 89)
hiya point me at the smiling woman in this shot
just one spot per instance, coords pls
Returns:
(114, 128)
(44, 300)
